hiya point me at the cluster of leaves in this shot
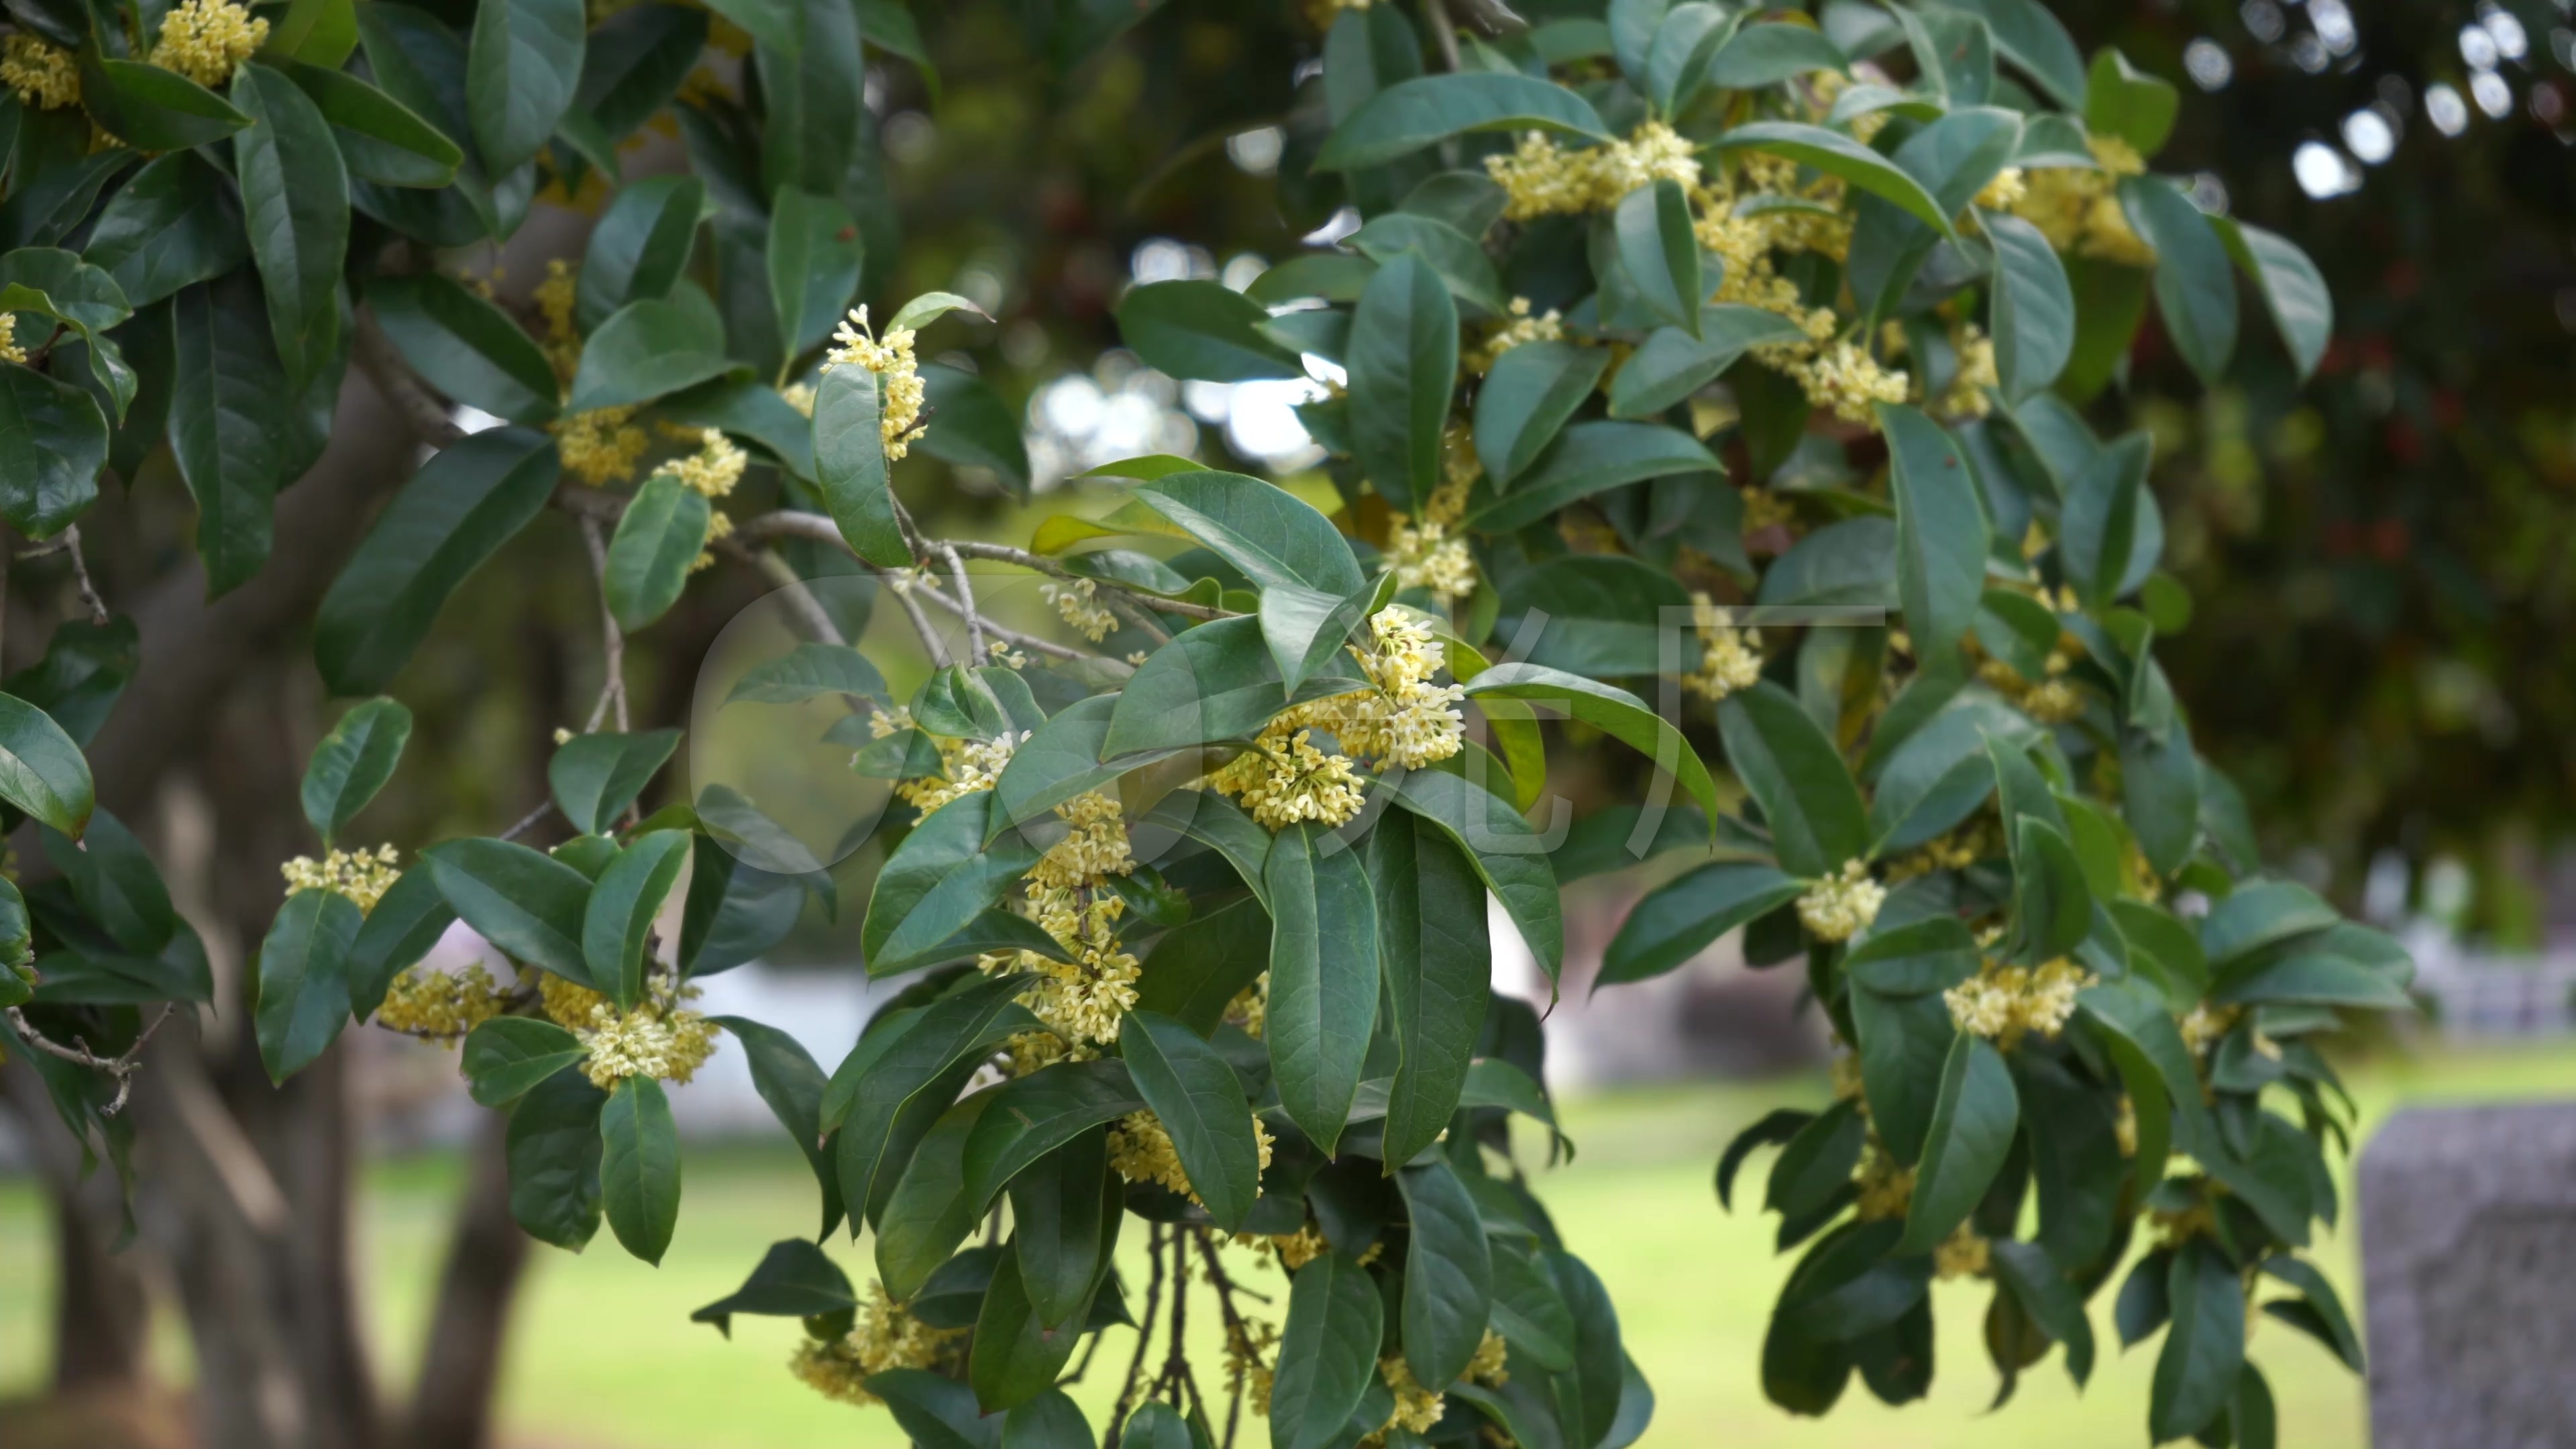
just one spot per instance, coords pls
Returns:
(1984, 792)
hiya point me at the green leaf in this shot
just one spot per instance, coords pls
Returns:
(809, 671)
(1458, 258)
(1038, 1113)
(1661, 252)
(617, 925)
(152, 108)
(353, 762)
(1064, 1220)
(1050, 1421)
(454, 513)
(1673, 363)
(1323, 977)
(595, 777)
(794, 1279)
(2033, 39)
(640, 248)
(1202, 330)
(1680, 919)
(1836, 154)
(1613, 711)
(507, 1057)
(226, 419)
(1155, 1425)
(849, 456)
(976, 428)
(935, 1412)
(53, 441)
(814, 255)
(1798, 778)
(114, 882)
(523, 62)
(1972, 1131)
(2324, 1308)
(2051, 1301)
(379, 138)
(1015, 1358)
(524, 901)
(634, 61)
(1762, 55)
(173, 223)
(554, 1152)
(2101, 526)
(304, 979)
(41, 771)
(654, 551)
(1437, 966)
(1201, 1104)
(2120, 101)
(402, 928)
(938, 881)
(1271, 535)
(927, 1215)
(892, 1089)
(639, 1168)
(2032, 313)
(1412, 114)
(2292, 289)
(1590, 458)
(2052, 908)
(1524, 402)
(1196, 968)
(786, 1077)
(465, 346)
(2204, 1350)
(2195, 290)
(1448, 1274)
(1504, 851)
(1327, 1351)
(659, 345)
(1904, 1043)
(1403, 364)
(295, 200)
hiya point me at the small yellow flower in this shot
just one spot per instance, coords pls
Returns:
(601, 446)
(712, 470)
(1487, 1366)
(800, 396)
(441, 1005)
(1963, 1254)
(362, 876)
(1731, 658)
(901, 393)
(1839, 907)
(886, 1336)
(1078, 601)
(205, 40)
(44, 76)
(2004, 1003)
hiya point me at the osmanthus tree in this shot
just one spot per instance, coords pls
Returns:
(1652, 319)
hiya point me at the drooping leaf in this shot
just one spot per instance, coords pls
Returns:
(1403, 365)
(1327, 1351)
(1323, 976)
(1972, 1130)
(353, 762)
(303, 980)
(849, 456)
(1200, 1103)
(639, 1167)
(295, 200)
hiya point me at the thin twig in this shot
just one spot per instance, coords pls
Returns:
(121, 1066)
(1443, 33)
(1009, 636)
(529, 821)
(930, 640)
(1004, 553)
(612, 689)
(80, 577)
(1237, 1332)
(1144, 1337)
(791, 584)
(965, 602)
(377, 356)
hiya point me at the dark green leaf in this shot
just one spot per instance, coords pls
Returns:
(2195, 290)
(1682, 918)
(2051, 1301)
(2292, 289)
(1525, 400)
(295, 200)
(1202, 330)
(523, 901)
(153, 108)
(523, 62)
(1437, 966)
(1660, 251)
(938, 880)
(1403, 363)
(1836, 154)
(1794, 772)
(595, 777)
(353, 762)
(1270, 534)
(461, 507)
(654, 551)
(849, 456)
(1972, 1131)
(788, 1080)
(640, 248)
(1448, 1274)
(927, 1215)
(41, 771)
(1064, 1217)
(1201, 1104)
(2032, 312)
(1673, 363)
(1590, 458)
(1038, 1113)
(1015, 1358)
(1504, 852)
(464, 346)
(639, 1167)
(53, 441)
(1762, 55)
(175, 222)
(2204, 1349)
(2121, 101)
(304, 980)
(617, 925)
(507, 1057)
(1327, 1351)
(659, 345)
(379, 138)
(402, 928)
(554, 1151)
(793, 1280)
(1323, 976)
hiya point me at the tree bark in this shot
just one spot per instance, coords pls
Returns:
(461, 1367)
(100, 1306)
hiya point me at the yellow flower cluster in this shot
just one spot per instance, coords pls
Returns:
(1078, 601)
(1765, 509)
(966, 766)
(1402, 719)
(1886, 1187)
(1140, 1149)
(2002, 1003)
(44, 76)
(1963, 1254)
(1966, 396)
(1248, 1341)
(1510, 332)
(601, 446)
(2204, 1024)
(1283, 780)
(2078, 208)
(556, 298)
(10, 351)
(1839, 907)
(885, 1337)
(1420, 549)
(1847, 381)
(1541, 178)
(1083, 1001)
(713, 469)
(659, 1038)
(1411, 721)
(900, 395)
(2004, 192)
(1486, 1367)
(362, 876)
(1250, 1008)
(800, 396)
(205, 40)
(719, 526)
(1294, 1250)
(1416, 1408)
(1956, 850)
(2051, 701)
(1730, 658)
(440, 1005)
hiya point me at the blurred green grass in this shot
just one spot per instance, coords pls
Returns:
(603, 1355)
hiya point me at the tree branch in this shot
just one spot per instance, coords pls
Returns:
(429, 419)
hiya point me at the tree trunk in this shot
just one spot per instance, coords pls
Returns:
(461, 1367)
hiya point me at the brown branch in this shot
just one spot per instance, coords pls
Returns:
(612, 688)
(1144, 1338)
(122, 1066)
(80, 577)
(429, 419)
